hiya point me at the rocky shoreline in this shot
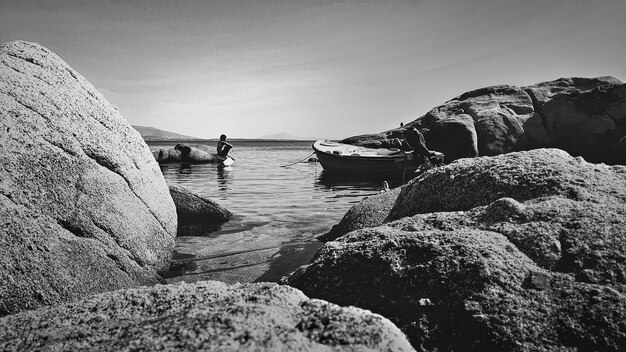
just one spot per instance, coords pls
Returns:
(513, 246)
(583, 116)
(529, 253)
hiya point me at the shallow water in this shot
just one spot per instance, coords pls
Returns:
(278, 211)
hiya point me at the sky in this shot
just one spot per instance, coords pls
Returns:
(314, 69)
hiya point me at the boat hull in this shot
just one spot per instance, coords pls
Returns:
(342, 159)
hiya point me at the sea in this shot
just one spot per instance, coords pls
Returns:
(281, 200)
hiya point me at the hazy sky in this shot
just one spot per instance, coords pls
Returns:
(323, 69)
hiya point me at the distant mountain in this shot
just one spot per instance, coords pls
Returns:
(280, 135)
(151, 133)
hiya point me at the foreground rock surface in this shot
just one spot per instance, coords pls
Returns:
(525, 251)
(196, 212)
(84, 206)
(584, 116)
(206, 315)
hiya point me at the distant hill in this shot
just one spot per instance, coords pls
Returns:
(151, 133)
(281, 135)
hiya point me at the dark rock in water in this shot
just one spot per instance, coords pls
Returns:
(584, 116)
(192, 207)
(185, 153)
(84, 205)
(370, 212)
(196, 212)
(208, 316)
(537, 264)
(167, 155)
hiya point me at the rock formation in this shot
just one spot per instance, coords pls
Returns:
(207, 316)
(184, 153)
(523, 176)
(84, 205)
(523, 251)
(584, 116)
(196, 212)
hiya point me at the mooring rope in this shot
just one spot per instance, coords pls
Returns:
(299, 161)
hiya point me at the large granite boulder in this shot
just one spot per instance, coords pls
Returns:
(496, 114)
(195, 154)
(584, 116)
(455, 137)
(460, 187)
(197, 213)
(468, 183)
(84, 205)
(465, 290)
(538, 263)
(208, 316)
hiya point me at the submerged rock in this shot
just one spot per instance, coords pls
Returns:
(584, 116)
(207, 316)
(196, 211)
(84, 205)
(524, 251)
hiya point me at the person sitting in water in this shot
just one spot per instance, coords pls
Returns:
(223, 147)
(416, 141)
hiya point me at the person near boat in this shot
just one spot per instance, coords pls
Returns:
(416, 141)
(223, 147)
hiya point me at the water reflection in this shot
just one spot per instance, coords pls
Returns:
(223, 177)
(284, 208)
(331, 181)
(184, 169)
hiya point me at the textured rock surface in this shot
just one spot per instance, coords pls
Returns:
(207, 316)
(371, 211)
(498, 114)
(84, 205)
(466, 290)
(540, 264)
(196, 210)
(468, 183)
(459, 186)
(181, 152)
(584, 116)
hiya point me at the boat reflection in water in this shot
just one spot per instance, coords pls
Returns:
(332, 180)
(354, 188)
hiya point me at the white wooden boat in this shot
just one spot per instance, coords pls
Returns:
(346, 159)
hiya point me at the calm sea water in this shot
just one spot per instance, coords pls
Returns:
(278, 210)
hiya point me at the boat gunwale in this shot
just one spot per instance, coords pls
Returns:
(394, 156)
